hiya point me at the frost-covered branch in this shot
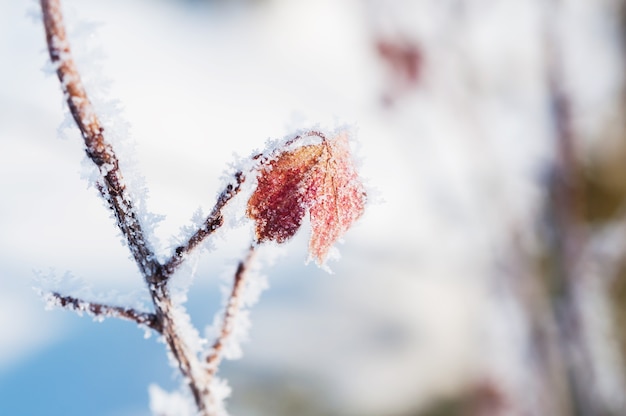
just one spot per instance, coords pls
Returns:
(101, 310)
(210, 225)
(233, 307)
(188, 362)
(111, 185)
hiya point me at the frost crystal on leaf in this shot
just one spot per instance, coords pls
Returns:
(319, 177)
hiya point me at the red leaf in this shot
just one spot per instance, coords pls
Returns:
(277, 204)
(319, 177)
(335, 195)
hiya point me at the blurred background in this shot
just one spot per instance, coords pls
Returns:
(487, 276)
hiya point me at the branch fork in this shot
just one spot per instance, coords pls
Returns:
(299, 176)
(112, 187)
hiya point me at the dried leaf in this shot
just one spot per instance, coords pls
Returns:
(336, 197)
(319, 177)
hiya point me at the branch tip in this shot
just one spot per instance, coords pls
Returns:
(104, 311)
(231, 312)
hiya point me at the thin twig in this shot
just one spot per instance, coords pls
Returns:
(213, 221)
(233, 308)
(102, 310)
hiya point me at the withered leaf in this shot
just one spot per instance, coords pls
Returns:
(319, 177)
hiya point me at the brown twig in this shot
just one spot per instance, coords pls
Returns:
(112, 185)
(106, 311)
(233, 307)
(210, 225)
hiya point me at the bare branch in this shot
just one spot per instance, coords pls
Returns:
(105, 311)
(213, 221)
(233, 307)
(112, 185)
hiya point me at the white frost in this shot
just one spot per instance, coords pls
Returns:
(163, 403)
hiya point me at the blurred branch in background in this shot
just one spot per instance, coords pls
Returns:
(564, 234)
(571, 363)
